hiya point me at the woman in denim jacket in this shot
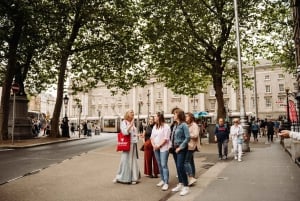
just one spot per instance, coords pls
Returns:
(180, 141)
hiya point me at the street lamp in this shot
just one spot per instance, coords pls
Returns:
(148, 104)
(140, 103)
(244, 124)
(66, 100)
(79, 112)
(65, 123)
(99, 116)
(288, 107)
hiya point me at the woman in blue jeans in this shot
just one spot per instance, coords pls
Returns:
(180, 139)
(192, 147)
(160, 141)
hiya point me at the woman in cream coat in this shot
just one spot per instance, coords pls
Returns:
(129, 171)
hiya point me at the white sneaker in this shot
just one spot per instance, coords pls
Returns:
(192, 180)
(165, 187)
(177, 188)
(239, 160)
(185, 190)
(235, 158)
(160, 183)
(115, 180)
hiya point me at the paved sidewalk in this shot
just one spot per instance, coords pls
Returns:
(267, 173)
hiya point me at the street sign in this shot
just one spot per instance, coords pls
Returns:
(15, 87)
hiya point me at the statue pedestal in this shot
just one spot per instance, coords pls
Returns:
(23, 125)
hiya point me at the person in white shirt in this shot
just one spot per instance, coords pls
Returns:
(160, 140)
(236, 134)
(290, 134)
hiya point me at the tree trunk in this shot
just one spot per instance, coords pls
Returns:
(59, 97)
(218, 86)
(9, 75)
(65, 53)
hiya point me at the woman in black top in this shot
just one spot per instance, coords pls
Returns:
(150, 164)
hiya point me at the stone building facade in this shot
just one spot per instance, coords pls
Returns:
(272, 82)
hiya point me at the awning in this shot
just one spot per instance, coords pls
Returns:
(200, 114)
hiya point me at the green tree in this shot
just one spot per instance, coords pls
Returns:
(22, 39)
(98, 42)
(87, 41)
(192, 43)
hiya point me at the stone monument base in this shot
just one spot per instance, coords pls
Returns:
(23, 125)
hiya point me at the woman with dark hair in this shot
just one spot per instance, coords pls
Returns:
(160, 141)
(192, 147)
(150, 164)
(180, 140)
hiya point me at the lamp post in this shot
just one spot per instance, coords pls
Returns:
(287, 107)
(66, 100)
(288, 119)
(99, 116)
(65, 123)
(79, 122)
(140, 103)
(244, 124)
(148, 104)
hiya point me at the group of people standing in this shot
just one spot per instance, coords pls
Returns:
(265, 127)
(222, 135)
(181, 139)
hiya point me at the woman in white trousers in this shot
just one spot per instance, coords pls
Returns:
(236, 134)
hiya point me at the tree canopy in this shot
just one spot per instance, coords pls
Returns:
(192, 43)
(186, 44)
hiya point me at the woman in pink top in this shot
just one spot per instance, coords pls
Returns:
(160, 141)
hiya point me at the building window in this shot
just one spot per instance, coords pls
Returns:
(267, 77)
(212, 105)
(281, 87)
(295, 86)
(212, 92)
(280, 76)
(225, 90)
(268, 102)
(268, 88)
(280, 101)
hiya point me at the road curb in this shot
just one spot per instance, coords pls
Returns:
(39, 144)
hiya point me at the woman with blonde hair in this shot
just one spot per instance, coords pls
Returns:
(236, 134)
(129, 171)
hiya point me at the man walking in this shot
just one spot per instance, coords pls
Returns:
(222, 138)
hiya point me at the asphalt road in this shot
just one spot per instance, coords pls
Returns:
(16, 163)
